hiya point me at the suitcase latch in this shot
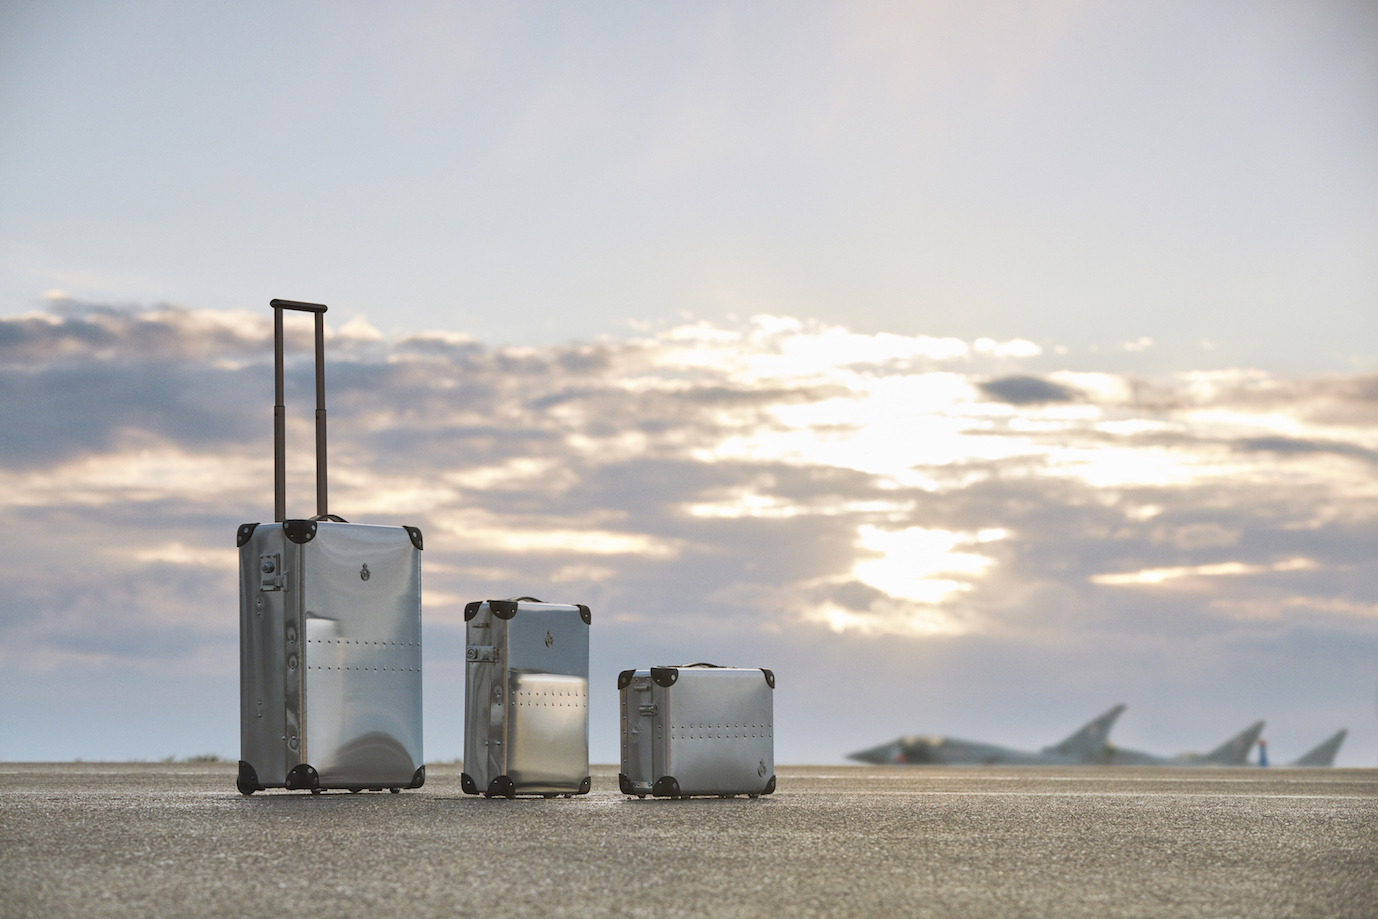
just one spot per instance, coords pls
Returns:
(270, 572)
(481, 654)
(647, 709)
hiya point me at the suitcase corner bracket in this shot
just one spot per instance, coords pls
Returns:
(299, 531)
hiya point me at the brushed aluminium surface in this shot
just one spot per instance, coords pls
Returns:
(362, 601)
(547, 731)
(337, 652)
(712, 730)
(503, 657)
(482, 696)
(642, 745)
(262, 659)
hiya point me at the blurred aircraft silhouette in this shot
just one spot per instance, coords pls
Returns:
(1082, 747)
(1088, 746)
(1233, 752)
(1324, 753)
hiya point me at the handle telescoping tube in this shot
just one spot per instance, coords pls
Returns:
(280, 412)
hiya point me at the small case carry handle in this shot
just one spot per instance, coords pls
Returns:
(280, 412)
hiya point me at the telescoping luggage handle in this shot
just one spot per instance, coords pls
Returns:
(280, 412)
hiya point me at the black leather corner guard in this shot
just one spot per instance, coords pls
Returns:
(303, 776)
(299, 531)
(247, 780)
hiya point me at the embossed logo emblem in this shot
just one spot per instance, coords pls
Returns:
(549, 638)
(761, 769)
(363, 572)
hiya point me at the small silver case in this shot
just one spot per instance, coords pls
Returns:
(526, 716)
(697, 729)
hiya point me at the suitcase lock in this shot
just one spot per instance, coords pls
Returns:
(481, 654)
(270, 571)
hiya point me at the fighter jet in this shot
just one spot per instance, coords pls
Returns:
(1233, 752)
(1324, 754)
(1082, 747)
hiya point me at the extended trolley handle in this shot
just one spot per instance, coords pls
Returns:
(280, 412)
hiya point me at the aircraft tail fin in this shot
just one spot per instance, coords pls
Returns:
(1235, 751)
(1323, 754)
(1088, 743)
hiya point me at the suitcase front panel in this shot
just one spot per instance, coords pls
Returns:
(719, 731)
(330, 672)
(526, 698)
(362, 677)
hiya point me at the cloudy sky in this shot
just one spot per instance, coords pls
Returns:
(974, 366)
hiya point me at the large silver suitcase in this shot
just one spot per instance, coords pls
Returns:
(697, 729)
(329, 637)
(526, 715)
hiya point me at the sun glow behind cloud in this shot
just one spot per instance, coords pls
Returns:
(594, 459)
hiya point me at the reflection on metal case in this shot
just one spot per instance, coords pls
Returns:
(330, 661)
(697, 729)
(526, 722)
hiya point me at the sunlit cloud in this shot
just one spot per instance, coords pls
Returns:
(766, 476)
(1157, 576)
(139, 475)
(178, 553)
(537, 535)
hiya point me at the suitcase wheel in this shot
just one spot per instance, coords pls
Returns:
(355, 791)
(753, 797)
(641, 796)
(548, 796)
(396, 791)
(315, 791)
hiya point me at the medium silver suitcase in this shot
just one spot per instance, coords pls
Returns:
(526, 715)
(329, 638)
(697, 729)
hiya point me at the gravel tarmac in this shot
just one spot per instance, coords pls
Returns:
(176, 839)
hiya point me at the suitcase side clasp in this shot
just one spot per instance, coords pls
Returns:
(270, 571)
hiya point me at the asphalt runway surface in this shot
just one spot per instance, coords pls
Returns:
(151, 840)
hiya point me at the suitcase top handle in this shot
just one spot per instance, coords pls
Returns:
(668, 676)
(280, 412)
